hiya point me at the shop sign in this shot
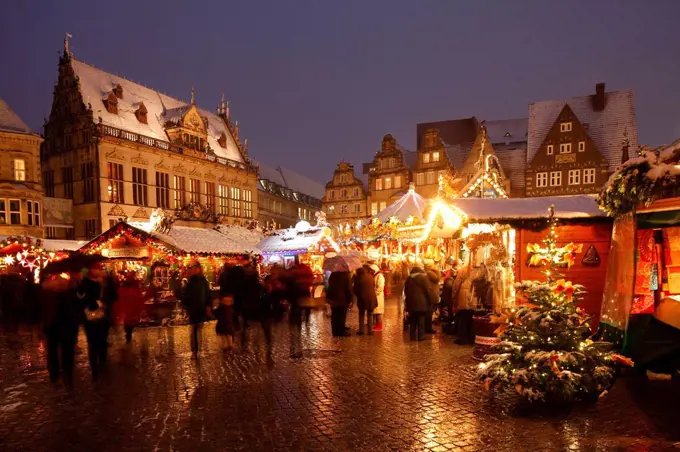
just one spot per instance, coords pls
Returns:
(136, 253)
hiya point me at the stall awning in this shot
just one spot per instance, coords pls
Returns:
(487, 210)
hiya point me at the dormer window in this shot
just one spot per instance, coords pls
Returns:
(118, 91)
(223, 140)
(565, 127)
(140, 113)
(111, 103)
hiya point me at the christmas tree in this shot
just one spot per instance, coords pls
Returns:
(545, 353)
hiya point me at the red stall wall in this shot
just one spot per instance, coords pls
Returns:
(590, 276)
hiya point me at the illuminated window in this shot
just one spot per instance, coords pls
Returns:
(555, 178)
(331, 209)
(139, 187)
(431, 177)
(574, 177)
(247, 201)
(420, 178)
(180, 197)
(426, 157)
(397, 181)
(116, 186)
(383, 205)
(551, 149)
(541, 179)
(388, 183)
(374, 208)
(195, 191)
(33, 209)
(589, 176)
(162, 190)
(210, 195)
(236, 202)
(435, 156)
(223, 199)
(565, 127)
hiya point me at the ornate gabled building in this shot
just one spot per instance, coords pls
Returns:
(119, 149)
(286, 197)
(345, 200)
(432, 162)
(575, 145)
(388, 176)
(21, 192)
(482, 175)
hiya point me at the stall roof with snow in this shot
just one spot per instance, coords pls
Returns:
(485, 210)
(223, 241)
(295, 241)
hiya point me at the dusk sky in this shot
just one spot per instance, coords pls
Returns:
(312, 82)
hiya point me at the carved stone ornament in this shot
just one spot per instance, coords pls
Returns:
(138, 160)
(209, 175)
(162, 165)
(141, 213)
(117, 211)
(114, 155)
(179, 169)
(194, 172)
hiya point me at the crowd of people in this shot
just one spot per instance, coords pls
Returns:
(98, 299)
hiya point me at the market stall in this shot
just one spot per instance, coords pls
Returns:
(641, 303)
(302, 244)
(158, 255)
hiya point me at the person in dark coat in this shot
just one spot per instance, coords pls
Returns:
(340, 297)
(197, 302)
(89, 293)
(256, 307)
(419, 297)
(364, 290)
(61, 317)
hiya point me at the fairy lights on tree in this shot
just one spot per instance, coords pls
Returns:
(545, 353)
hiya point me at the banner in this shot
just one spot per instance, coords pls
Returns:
(58, 212)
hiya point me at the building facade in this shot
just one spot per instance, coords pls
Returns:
(575, 145)
(119, 150)
(21, 193)
(388, 176)
(286, 197)
(432, 162)
(345, 199)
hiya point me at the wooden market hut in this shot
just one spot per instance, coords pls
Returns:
(580, 222)
(138, 246)
(303, 243)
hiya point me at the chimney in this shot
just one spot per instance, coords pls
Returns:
(599, 99)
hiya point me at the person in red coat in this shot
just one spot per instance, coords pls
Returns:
(130, 303)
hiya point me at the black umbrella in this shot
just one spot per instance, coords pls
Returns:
(75, 262)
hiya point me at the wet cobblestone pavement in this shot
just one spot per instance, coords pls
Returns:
(358, 393)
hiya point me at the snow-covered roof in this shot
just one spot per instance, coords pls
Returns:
(409, 205)
(290, 179)
(490, 209)
(10, 121)
(607, 128)
(293, 241)
(62, 245)
(95, 84)
(230, 240)
(507, 130)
